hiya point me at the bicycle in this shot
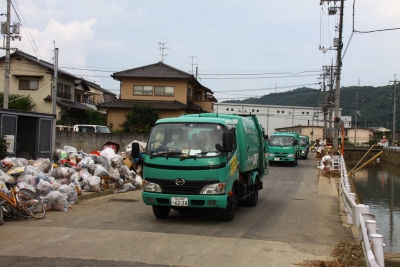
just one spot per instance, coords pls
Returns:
(23, 203)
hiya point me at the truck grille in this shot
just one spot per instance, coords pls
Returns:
(190, 187)
(281, 154)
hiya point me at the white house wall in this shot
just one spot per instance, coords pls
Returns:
(271, 116)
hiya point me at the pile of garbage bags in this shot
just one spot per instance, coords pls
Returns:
(59, 184)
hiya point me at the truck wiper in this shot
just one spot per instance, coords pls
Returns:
(159, 154)
(189, 157)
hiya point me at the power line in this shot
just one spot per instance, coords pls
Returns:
(380, 30)
(270, 88)
(33, 44)
(250, 78)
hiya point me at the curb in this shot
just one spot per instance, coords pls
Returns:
(89, 195)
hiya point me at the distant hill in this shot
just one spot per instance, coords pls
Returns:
(375, 104)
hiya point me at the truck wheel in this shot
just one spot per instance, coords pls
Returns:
(253, 198)
(161, 212)
(229, 213)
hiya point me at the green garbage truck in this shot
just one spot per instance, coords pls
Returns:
(284, 148)
(203, 161)
(304, 146)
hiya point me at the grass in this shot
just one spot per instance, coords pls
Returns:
(347, 253)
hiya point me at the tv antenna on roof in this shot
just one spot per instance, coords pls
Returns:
(162, 48)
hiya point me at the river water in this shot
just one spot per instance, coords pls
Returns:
(378, 184)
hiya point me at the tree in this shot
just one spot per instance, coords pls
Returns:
(3, 147)
(139, 119)
(95, 118)
(18, 102)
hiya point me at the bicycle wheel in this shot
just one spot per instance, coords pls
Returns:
(1, 215)
(31, 203)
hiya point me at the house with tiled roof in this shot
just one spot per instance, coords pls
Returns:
(33, 77)
(169, 90)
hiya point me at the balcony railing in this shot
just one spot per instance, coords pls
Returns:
(64, 95)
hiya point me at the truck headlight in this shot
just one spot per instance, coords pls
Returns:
(303, 151)
(290, 156)
(151, 187)
(213, 189)
(271, 155)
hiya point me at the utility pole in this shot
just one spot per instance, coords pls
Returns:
(54, 100)
(394, 110)
(355, 124)
(339, 66)
(339, 44)
(5, 29)
(7, 70)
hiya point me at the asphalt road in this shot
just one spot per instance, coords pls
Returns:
(297, 218)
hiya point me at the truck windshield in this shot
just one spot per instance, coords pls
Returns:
(184, 139)
(281, 141)
(303, 141)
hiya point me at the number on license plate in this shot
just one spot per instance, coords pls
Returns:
(277, 159)
(179, 201)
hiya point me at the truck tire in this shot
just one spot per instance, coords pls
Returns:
(253, 198)
(161, 212)
(229, 212)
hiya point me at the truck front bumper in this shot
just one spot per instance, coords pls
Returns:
(194, 201)
(276, 159)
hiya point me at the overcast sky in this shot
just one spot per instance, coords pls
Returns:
(257, 46)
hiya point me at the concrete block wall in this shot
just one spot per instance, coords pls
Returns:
(88, 142)
(392, 157)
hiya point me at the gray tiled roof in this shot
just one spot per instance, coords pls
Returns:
(121, 103)
(70, 104)
(157, 70)
(40, 62)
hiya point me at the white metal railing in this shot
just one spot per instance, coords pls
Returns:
(358, 214)
(392, 148)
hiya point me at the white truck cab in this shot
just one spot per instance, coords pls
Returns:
(91, 128)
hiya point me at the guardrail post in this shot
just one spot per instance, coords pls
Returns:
(357, 210)
(347, 187)
(371, 226)
(377, 244)
(349, 218)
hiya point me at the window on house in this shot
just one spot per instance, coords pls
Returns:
(79, 98)
(198, 96)
(63, 90)
(142, 90)
(28, 84)
(164, 90)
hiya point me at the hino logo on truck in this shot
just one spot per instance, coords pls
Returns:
(179, 181)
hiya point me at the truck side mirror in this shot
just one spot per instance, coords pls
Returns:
(266, 137)
(295, 142)
(135, 150)
(227, 139)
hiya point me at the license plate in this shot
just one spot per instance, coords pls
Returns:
(277, 159)
(179, 201)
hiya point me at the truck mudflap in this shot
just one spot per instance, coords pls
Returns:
(185, 201)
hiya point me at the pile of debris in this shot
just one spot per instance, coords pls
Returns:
(59, 184)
